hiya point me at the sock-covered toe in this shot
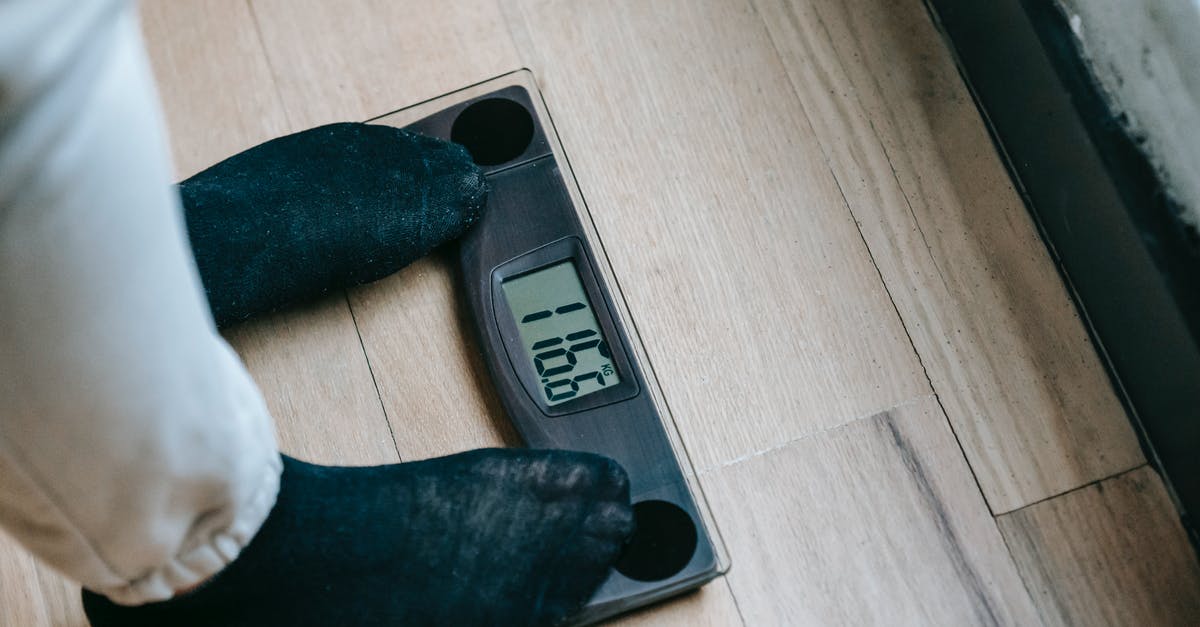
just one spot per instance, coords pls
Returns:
(323, 209)
(468, 539)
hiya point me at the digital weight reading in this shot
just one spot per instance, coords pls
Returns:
(560, 334)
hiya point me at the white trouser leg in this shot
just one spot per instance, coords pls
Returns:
(136, 454)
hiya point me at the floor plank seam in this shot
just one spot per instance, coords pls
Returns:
(911, 212)
(262, 44)
(771, 449)
(982, 604)
(374, 380)
(871, 254)
(1080, 487)
(728, 586)
(1025, 583)
(904, 324)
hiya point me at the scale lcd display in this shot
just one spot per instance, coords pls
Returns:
(560, 334)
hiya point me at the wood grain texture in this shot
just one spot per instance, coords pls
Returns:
(986, 309)
(32, 595)
(21, 599)
(310, 366)
(876, 522)
(1112, 553)
(436, 388)
(758, 303)
(357, 59)
(213, 79)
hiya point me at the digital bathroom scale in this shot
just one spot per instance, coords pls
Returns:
(566, 363)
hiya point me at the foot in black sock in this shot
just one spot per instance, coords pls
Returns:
(324, 209)
(490, 537)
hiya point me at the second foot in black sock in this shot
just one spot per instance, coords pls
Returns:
(490, 537)
(324, 209)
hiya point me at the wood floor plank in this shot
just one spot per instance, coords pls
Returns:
(32, 595)
(1112, 553)
(219, 97)
(758, 303)
(436, 388)
(986, 309)
(876, 522)
(213, 79)
(311, 368)
(357, 59)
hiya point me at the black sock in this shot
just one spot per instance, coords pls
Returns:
(489, 537)
(324, 209)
